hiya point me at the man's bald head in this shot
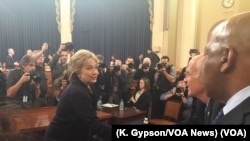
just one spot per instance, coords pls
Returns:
(228, 58)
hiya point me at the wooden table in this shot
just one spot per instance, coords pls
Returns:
(38, 119)
(127, 116)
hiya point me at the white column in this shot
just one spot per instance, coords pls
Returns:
(186, 31)
(157, 33)
(65, 21)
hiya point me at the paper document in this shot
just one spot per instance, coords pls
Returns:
(109, 105)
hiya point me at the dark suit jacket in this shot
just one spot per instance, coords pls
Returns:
(143, 101)
(239, 115)
(212, 109)
(76, 118)
(10, 62)
(198, 112)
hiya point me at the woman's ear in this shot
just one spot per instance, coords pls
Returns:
(227, 59)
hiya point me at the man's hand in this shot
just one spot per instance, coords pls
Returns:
(45, 47)
(25, 77)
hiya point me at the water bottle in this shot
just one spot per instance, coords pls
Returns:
(145, 121)
(99, 103)
(121, 105)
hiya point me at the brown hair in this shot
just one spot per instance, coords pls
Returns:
(147, 83)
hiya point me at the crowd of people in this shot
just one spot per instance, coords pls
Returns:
(213, 83)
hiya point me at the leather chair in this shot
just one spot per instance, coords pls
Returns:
(171, 114)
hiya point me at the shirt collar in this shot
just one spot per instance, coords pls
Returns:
(236, 99)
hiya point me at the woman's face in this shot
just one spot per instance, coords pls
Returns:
(89, 72)
(142, 84)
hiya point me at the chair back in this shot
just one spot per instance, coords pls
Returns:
(172, 110)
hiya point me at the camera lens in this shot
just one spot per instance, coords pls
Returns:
(35, 77)
(117, 68)
(69, 46)
(130, 65)
(179, 90)
(159, 66)
(145, 66)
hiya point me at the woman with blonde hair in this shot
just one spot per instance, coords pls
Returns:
(76, 117)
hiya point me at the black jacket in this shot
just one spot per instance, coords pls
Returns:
(76, 118)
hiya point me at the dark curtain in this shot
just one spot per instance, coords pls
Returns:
(26, 24)
(112, 27)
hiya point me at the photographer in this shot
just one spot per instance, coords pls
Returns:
(164, 81)
(179, 93)
(59, 61)
(23, 86)
(145, 70)
(102, 84)
(40, 69)
(165, 75)
(117, 82)
(129, 77)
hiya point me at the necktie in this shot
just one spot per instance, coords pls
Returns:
(219, 115)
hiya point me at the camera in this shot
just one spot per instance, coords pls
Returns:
(160, 66)
(193, 52)
(179, 90)
(35, 77)
(69, 46)
(102, 65)
(130, 65)
(117, 68)
(145, 66)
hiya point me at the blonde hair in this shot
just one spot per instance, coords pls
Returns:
(77, 61)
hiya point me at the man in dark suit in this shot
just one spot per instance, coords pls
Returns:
(226, 68)
(10, 61)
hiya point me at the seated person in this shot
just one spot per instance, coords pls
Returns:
(142, 97)
(23, 85)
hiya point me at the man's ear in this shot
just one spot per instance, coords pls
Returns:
(227, 59)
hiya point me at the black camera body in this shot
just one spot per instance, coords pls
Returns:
(130, 65)
(145, 66)
(160, 66)
(69, 46)
(35, 77)
(193, 52)
(117, 68)
(102, 65)
(179, 90)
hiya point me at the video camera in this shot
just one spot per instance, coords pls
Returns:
(69, 46)
(35, 77)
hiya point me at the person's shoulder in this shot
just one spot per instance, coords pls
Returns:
(147, 93)
(246, 104)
